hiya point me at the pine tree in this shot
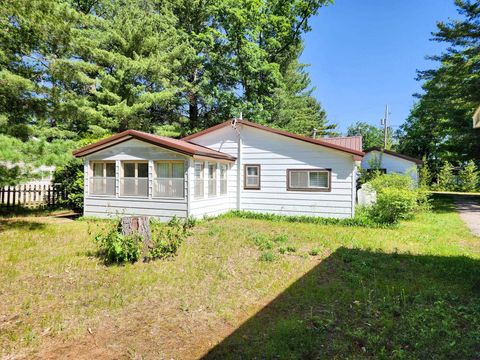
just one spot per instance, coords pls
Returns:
(424, 174)
(469, 177)
(295, 109)
(445, 178)
(440, 125)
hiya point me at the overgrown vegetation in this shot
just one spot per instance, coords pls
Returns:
(115, 247)
(397, 198)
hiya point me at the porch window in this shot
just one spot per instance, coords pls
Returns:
(251, 179)
(170, 179)
(198, 188)
(102, 181)
(212, 180)
(308, 180)
(134, 181)
(223, 179)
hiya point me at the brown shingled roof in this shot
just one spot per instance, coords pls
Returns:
(180, 146)
(321, 142)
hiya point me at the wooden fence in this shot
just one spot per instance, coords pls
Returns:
(31, 196)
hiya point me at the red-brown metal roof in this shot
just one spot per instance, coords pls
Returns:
(321, 142)
(351, 142)
(180, 146)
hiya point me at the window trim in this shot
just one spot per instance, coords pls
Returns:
(122, 177)
(91, 175)
(155, 177)
(213, 179)
(225, 167)
(201, 179)
(252, 187)
(311, 189)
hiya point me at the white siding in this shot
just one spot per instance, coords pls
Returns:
(224, 140)
(392, 164)
(214, 205)
(113, 206)
(276, 154)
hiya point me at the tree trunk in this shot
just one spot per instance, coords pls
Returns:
(138, 225)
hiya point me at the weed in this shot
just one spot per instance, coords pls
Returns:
(267, 256)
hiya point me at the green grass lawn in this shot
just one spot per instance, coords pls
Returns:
(242, 288)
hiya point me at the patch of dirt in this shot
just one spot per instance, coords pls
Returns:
(147, 333)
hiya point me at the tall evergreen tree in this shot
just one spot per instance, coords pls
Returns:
(295, 109)
(440, 125)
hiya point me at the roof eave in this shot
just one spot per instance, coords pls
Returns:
(278, 132)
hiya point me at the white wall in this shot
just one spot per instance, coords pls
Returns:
(276, 154)
(116, 205)
(392, 164)
(209, 205)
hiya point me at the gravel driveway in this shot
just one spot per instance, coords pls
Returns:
(469, 209)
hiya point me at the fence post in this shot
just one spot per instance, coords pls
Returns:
(14, 196)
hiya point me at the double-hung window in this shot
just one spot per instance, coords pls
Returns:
(102, 181)
(251, 177)
(212, 179)
(223, 179)
(170, 179)
(308, 179)
(198, 188)
(134, 180)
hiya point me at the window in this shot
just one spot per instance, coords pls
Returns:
(212, 179)
(223, 179)
(198, 188)
(251, 179)
(308, 179)
(103, 180)
(134, 181)
(170, 179)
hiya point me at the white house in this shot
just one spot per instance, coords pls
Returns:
(234, 165)
(389, 161)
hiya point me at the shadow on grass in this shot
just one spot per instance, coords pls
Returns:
(10, 224)
(361, 304)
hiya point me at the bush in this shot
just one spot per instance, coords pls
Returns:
(394, 204)
(166, 239)
(116, 248)
(397, 181)
(70, 179)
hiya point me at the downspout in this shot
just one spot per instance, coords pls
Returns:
(239, 165)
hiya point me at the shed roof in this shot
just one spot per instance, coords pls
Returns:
(180, 146)
(322, 142)
(393, 153)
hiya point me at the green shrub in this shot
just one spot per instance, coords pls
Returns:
(314, 252)
(70, 179)
(469, 177)
(397, 181)
(116, 248)
(394, 204)
(166, 239)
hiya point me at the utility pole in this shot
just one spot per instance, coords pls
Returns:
(384, 122)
